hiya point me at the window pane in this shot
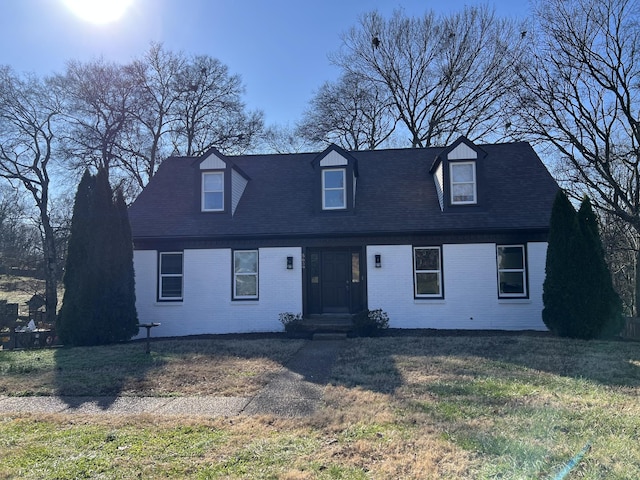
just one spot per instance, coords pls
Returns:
(355, 267)
(427, 259)
(171, 287)
(213, 201)
(511, 282)
(510, 258)
(213, 182)
(246, 262)
(246, 285)
(333, 179)
(171, 263)
(462, 173)
(334, 198)
(427, 284)
(463, 192)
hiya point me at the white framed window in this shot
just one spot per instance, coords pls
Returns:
(427, 272)
(334, 190)
(245, 274)
(512, 273)
(170, 275)
(213, 191)
(463, 183)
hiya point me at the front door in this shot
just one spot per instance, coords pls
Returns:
(334, 281)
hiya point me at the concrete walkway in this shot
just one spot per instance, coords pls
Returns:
(295, 391)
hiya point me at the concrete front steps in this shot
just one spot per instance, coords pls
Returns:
(328, 323)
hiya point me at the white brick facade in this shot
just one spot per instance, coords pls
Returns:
(469, 275)
(470, 289)
(207, 305)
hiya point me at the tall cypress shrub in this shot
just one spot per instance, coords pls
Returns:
(600, 305)
(123, 318)
(578, 294)
(72, 322)
(99, 302)
(558, 290)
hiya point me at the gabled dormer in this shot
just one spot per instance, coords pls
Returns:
(336, 180)
(458, 175)
(221, 183)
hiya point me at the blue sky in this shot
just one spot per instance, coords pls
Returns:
(279, 47)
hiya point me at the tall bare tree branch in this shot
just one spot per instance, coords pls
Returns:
(353, 112)
(446, 76)
(29, 110)
(580, 91)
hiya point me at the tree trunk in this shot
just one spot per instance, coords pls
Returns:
(636, 297)
(50, 268)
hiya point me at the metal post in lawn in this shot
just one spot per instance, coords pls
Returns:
(148, 326)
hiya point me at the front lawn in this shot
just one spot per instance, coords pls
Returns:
(227, 367)
(455, 407)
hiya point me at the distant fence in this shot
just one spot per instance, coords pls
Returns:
(632, 328)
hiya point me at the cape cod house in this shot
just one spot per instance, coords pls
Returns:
(451, 238)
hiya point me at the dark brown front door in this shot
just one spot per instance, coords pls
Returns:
(336, 280)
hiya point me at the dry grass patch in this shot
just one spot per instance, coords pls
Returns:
(507, 406)
(218, 367)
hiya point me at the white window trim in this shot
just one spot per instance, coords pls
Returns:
(452, 183)
(211, 191)
(170, 275)
(344, 188)
(522, 270)
(417, 295)
(256, 274)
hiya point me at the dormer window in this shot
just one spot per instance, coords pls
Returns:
(334, 189)
(458, 175)
(213, 191)
(336, 179)
(463, 183)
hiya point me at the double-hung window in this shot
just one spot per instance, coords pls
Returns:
(512, 274)
(245, 274)
(170, 276)
(427, 272)
(213, 192)
(463, 183)
(334, 189)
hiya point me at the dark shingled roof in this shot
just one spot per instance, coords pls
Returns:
(395, 194)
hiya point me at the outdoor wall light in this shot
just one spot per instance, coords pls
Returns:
(289, 263)
(378, 259)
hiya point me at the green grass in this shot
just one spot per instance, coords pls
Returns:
(455, 407)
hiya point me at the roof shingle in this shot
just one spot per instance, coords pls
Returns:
(395, 193)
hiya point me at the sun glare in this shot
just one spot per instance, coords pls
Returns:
(98, 11)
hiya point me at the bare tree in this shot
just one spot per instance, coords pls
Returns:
(29, 110)
(99, 108)
(155, 77)
(284, 139)
(580, 94)
(209, 111)
(620, 242)
(184, 106)
(354, 113)
(445, 76)
(126, 119)
(19, 238)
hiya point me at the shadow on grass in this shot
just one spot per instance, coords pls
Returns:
(609, 363)
(100, 374)
(220, 365)
(384, 364)
(480, 364)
